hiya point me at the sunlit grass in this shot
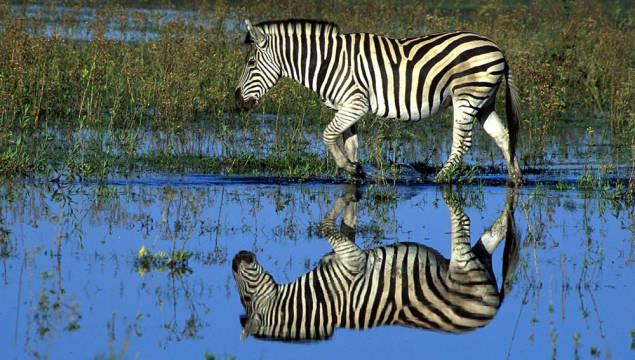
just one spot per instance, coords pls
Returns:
(570, 59)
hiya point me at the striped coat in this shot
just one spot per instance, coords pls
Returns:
(407, 79)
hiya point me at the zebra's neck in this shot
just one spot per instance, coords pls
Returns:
(308, 51)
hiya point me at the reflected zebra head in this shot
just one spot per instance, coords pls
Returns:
(261, 70)
(256, 288)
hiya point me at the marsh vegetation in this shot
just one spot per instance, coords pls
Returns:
(95, 89)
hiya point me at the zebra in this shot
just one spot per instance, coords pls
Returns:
(407, 79)
(406, 284)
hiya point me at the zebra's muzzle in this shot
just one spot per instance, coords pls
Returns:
(245, 104)
(243, 255)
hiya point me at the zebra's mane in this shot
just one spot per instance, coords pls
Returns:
(296, 26)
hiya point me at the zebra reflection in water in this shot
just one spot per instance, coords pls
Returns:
(406, 284)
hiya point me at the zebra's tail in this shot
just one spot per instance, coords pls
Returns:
(511, 252)
(512, 103)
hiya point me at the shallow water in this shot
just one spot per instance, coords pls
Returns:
(127, 24)
(565, 155)
(71, 288)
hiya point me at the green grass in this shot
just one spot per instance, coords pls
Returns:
(291, 164)
(572, 61)
(568, 59)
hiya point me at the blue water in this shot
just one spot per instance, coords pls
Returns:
(127, 24)
(70, 288)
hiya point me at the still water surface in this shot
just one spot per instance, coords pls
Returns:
(71, 287)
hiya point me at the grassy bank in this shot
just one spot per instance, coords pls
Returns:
(118, 70)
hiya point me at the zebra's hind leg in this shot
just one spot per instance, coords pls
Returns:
(496, 130)
(461, 252)
(469, 273)
(350, 143)
(504, 227)
(491, 238)
(461, 141)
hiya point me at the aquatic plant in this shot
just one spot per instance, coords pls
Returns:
(175, 263)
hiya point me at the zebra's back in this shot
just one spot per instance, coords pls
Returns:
(413, 78)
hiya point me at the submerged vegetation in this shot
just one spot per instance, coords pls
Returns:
(100, 88)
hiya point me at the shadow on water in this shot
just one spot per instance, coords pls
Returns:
(72, 285)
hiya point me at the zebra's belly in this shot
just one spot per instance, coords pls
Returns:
(443, 323)
(391, 109)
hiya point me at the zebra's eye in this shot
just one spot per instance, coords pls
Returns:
(251, 62)
(247, 298)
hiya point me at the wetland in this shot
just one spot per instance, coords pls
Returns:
(129, 180)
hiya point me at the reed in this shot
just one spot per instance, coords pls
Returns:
(77, 91)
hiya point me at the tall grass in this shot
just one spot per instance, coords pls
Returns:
(572, 60)
(168, 79)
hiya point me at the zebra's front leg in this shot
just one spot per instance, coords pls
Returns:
(461, 143)
(341, 125)
(349, 220)
(343, 241)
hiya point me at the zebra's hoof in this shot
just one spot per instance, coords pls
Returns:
(352, 194)
(442, 177)
(514, 181)
(358, 175)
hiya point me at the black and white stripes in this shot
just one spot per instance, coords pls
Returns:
(406, 284)
(407, 79)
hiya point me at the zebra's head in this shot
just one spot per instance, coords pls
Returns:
(261, 70)
(256, 288)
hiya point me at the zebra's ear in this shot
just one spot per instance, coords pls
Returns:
(251, 326)
(255, 34)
